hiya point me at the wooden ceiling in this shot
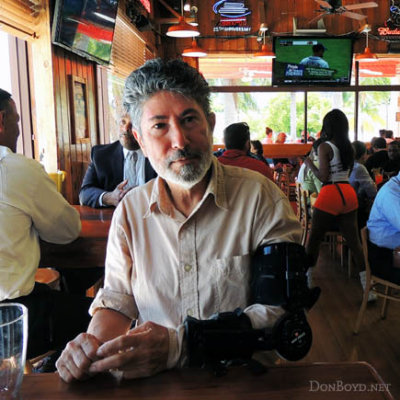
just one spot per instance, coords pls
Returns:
(278, 16)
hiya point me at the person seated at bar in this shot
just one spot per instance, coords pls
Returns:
(237, 143)
(31, 208)
(306, 176)
(384, 232)
(257, 151)
(378, 157)
(114, 169)
(162, 261)
(392, 166)
(362, 183)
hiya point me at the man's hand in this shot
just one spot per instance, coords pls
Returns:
(77, 357)
(114, 197)
(143, 351)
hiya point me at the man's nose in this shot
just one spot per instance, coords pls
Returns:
(179, 136)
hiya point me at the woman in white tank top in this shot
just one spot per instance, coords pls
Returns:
(337, 204)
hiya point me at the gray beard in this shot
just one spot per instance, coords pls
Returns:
(189, 175)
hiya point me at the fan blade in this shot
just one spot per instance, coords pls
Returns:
(354, 15)
(317, 18)
(370, 4)
(323, 3)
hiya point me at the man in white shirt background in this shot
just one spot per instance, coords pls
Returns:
(31, 208)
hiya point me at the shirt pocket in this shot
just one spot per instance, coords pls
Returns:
(232, 281)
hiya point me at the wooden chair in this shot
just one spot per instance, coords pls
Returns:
(305, 219)
(379, 286)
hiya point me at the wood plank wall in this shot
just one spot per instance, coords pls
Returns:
(73, 158)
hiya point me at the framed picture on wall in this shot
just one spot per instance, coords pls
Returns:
(79, 110)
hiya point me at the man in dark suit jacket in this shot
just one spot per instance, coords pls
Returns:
(104, 184)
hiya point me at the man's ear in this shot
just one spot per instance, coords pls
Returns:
(211, 119)
(138, 138)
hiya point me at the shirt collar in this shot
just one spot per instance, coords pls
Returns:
(161, 201)
(126, 152)
(4, 151)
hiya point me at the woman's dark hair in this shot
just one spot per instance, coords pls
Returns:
(359, 149)
(335, 126)
(258, 146)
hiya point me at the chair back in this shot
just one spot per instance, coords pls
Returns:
(58, 178)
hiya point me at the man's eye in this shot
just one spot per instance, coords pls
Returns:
(189, 119)
(159, 126)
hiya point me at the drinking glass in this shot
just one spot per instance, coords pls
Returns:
(13, 339)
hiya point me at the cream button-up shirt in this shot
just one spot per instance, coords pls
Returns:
(30, 208)
(162, 266)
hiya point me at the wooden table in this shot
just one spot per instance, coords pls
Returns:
(89, 250)
(356, 380)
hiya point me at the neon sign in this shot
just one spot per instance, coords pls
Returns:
(233, 16)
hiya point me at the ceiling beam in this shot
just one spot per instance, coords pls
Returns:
(169, 8)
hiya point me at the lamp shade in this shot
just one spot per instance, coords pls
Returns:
(366, 56)
(182, 29)
(265, 53)
(194, 51)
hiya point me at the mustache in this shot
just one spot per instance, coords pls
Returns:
(183, 153)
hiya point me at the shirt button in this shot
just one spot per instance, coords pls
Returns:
(188, 267)
(190, 312)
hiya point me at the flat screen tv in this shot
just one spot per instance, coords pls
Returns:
(312, 61)
(85, 27)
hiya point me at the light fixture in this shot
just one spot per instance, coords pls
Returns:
(186, 7)
(182, 29)
(264, 53)
(194, 50)
(193, 16)
(367, 55)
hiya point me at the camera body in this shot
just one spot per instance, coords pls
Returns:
(279, 279)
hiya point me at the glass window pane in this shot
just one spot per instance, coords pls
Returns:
(380, 72)
(283, 112)
(116, 109)
(236, 71)
(320, 103)
(377, 110)
(5, 75)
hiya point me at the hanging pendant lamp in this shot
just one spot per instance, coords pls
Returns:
(194, 51)
(367, 55)
(182, 29)
(265, 52)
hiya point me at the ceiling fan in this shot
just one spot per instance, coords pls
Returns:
(328, 7)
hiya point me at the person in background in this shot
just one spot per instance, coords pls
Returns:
(384, 232)
(316, 60)
(281, 138)
(31, 208)
(362, 183)
(392, 166)
(337, 201)
(114, 169)
(162, 263)
(268, 136)
(378, 157)
(389, 136)
(237, 143)
(306, 176)
(256, 150)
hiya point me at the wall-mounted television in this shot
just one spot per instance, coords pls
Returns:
(85, 27)
(312, 60)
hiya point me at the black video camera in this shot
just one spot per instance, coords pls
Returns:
(279, 279)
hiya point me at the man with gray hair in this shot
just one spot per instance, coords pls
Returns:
(181, 244)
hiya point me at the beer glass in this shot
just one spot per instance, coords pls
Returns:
(13, 340)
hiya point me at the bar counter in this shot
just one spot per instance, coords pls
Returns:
(324, 381)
